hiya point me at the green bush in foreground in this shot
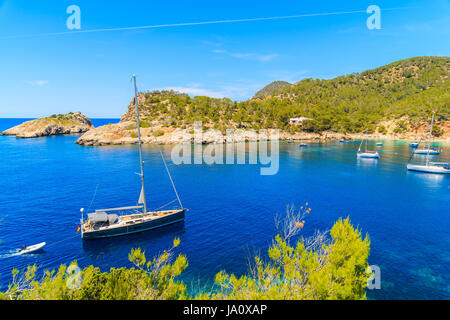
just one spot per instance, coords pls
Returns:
(321, 267)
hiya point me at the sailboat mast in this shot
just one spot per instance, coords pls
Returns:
(429, 138)
(140, 144)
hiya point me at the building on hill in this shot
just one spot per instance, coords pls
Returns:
(297, 121)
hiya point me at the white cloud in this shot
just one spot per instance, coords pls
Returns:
(196, 91)
(237, 90)
(289, 76)
(217, 43)
(37, 83)
(250, 56)
(266, 57)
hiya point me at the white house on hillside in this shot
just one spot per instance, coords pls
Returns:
(298, 120)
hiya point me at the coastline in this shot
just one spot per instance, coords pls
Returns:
(120, 134)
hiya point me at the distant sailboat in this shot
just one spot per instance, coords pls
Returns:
(367, 153)
(430, 167)
(106, 223)
(429, 150)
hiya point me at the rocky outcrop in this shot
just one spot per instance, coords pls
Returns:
(70, 123)
(125, 132)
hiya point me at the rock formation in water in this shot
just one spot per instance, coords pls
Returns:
(70, 123)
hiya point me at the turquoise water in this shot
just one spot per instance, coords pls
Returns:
(45, 181)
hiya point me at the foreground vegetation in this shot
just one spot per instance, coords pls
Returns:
(407, 91)
(326, 266)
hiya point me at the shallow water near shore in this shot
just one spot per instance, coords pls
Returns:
(45, 181)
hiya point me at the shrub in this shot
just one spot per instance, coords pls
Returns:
(437, 131)
(382, 129)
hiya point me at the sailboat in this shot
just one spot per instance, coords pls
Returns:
(367, 153)
(430, 167)
(429, 150)
(104, 223)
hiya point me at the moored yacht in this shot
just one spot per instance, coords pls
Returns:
(428, 151)
(429, 167)
(366, 153)
(104, 223)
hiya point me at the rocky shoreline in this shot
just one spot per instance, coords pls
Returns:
(126, 133)
(171, 117)
(70, 123)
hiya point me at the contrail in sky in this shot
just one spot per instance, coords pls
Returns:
(197, 23)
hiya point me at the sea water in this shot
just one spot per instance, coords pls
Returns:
(45, 181)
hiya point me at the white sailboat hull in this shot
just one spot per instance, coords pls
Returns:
(133, 226)
(429, 168)
(426, 151)
(371, 155)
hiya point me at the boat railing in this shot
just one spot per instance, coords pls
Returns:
(119, 209)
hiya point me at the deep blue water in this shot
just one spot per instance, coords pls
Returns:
(45, 181)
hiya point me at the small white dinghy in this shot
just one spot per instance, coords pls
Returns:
(31, 249)
(379, 144)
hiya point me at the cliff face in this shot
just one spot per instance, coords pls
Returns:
(54, 125)
(125, 132)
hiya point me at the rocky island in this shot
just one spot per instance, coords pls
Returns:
(70, 123)
(395, 101)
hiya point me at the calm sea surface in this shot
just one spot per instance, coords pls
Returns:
(45, 181)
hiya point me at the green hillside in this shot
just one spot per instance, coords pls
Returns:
(270, 89)
(408, 89)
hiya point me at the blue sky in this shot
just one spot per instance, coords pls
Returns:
(89, 72)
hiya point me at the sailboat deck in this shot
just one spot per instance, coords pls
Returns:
(133, 217)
